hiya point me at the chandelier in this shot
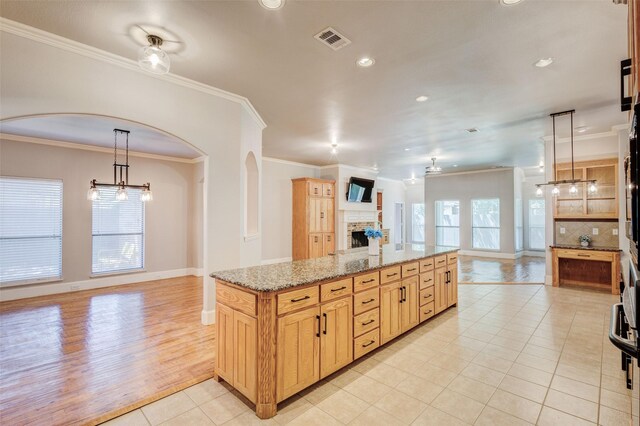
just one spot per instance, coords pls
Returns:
(573, 189)
(123, 170)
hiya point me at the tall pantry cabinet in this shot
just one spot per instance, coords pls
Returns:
(313, 218)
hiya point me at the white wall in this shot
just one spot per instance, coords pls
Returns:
(393, 191)
(172, 242)
(466, 187)
(43, 74)
(277, 206)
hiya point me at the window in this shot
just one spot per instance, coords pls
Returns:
(536, 224)
(30, 230)
(448, 223)
(417, 223)
(118, 232)
(519, 220)
(486, 223)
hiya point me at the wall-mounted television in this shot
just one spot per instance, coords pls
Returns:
(360, 190)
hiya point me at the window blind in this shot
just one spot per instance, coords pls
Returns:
(117, 232)
(30, 230)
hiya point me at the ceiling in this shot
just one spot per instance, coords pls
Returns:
(96, 130)
(474, 59)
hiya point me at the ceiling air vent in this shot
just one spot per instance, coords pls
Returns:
(472, 130)
(332, 38)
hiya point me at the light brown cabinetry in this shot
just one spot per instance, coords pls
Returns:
(313, 229)
(440, 290)
(586, 268)
(584, 205)
(446, 284)
(336, 338)
(409, 316)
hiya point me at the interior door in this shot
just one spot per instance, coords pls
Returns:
(336, 339)
(410, 305)
(297, 352)
(440, 297)
(452, 287)
(390, 325)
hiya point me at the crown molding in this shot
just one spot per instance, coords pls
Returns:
(40, 36)
(291, 163)
(611, 133)
(83, 147)
(498, 169)
(347, 166)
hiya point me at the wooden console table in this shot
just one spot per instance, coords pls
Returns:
(591, 268)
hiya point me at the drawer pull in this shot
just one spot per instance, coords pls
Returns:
(301, 299)
(338, 289)
(368, 301)
(371, 342)
(426, 296)
(440, 261)
(426, 281)
(368, 322)
(584, 255)
(428, 312)
(368, 281)
(392, 275)
(411, 270)
(321, 215)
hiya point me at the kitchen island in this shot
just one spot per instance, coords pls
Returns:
(283, 327)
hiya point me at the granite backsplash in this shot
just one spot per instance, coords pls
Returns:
(573, 230)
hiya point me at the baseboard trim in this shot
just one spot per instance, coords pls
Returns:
(548, 280)
(534, 253)
(197, 272)
(34, 290)
(495, 255)
(208, 317)
(272, 261)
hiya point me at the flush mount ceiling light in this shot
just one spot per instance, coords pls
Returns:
(422, 98)
(152, 58)
(509, 2)
(573, 182)
(365, 62)
(432, 169)
(334, 147)
(544, 62)
(123, 169)
(271, 4)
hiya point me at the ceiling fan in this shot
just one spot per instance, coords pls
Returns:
(432, 169)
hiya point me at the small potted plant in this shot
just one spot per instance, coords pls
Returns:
(374, 236)
(585, 240)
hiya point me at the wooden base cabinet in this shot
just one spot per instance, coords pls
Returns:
(440, 290)
(409, 312)
(390, 297)
(336, 338)
(446, 284)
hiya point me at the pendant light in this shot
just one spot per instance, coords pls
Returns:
(573, 189)
(123, 168)
(152, 58)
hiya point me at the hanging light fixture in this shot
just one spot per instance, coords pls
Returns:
(573, 189)
(123, 169)
(433, 169)
(539, 192)
(152, 58)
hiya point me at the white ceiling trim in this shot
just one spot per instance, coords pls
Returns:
(71, 145)
(611, 133)
(499, 169)
(35, 34)
(291, 163)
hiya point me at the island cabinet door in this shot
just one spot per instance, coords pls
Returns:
(390, 325)
(316, 245)
(224, 352)
(440, 287)
(452, 286)
(336, 339)
(245, 364)
(297, 352)
(410, 303)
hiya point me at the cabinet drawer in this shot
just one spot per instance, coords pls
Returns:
(452, 259)
(333, 290)
(586, 255)
(440, 261)
(390, 274)
(236, 299)
(427, 311)
(366, 300)
(315, 189)
(366, 343)
(427, 279)
(297, 299)
(366, 322)
(410, 269)
(363, 282)
(426, 265)
(426, 295)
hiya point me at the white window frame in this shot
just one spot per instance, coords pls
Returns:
(473, 227)
(443, 226)
(543, 227)
(45, 279)
(135, 193)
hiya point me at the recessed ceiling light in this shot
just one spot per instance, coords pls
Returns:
(407, 149)
(510, 2)
(271, 4)
(365, 62)
(581, 129)
(455, 165)
(422, 98)
(544, 62)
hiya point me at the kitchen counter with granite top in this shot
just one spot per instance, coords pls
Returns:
(279, 276)
(579, 247)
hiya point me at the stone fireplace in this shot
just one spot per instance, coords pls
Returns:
(357, 240)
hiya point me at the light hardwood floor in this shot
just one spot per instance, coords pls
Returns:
(85, 357)
(483, 270)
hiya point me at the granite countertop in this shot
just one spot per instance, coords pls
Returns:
(579, 247)
(279, 276)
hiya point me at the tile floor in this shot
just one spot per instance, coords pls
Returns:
(508, 355)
